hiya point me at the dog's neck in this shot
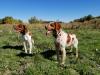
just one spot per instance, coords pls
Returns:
(24, 32)
(56, 33)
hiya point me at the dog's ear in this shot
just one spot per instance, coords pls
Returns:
(57, 26)
(24, 28)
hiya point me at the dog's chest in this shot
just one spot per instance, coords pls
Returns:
(61, 38)
(26, 37)
(64, 39)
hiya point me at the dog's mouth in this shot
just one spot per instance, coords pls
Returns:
(48, 32)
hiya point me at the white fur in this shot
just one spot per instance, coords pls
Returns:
(27, 41)
(62, 41)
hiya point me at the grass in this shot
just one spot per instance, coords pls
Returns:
(43, 60)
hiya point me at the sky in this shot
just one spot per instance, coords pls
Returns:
(63, 10)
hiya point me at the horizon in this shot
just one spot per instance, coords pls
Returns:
(49, 10)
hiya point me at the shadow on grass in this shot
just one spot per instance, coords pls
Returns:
(48, 54)
(13, 47)
(22, 54)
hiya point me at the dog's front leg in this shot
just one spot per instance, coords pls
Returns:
(76, 53)
(58, 52)
(24, 43)
(63, 55)
(30, 46)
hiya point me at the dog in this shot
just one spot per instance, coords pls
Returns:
(26, 36)
(62, 40)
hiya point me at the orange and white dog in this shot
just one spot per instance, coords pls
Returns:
(62, 40)
(26, 36)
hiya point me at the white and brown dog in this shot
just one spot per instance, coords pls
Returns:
(26, 36)
(62, 40)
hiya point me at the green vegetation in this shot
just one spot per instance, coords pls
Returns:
(85, 18)
(43, 60)
(33, 20)
(10, 20)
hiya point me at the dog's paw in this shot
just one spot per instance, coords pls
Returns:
(25, 52)
(63, 66)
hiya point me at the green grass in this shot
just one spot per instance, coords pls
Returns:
(43, 60)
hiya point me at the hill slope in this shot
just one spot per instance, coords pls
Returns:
(43, 60)
(88, 22)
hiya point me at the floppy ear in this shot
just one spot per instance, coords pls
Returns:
(57, 26)
(24, 28)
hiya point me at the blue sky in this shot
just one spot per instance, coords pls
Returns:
(64, 10)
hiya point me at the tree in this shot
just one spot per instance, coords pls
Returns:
(89, 17)
(85, 18)
(8, 20)
(34, 20)
(17, 21)
(0, 21)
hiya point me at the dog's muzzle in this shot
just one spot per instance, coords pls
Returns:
(48, 32)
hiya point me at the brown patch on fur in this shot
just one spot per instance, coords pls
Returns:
(68, 38)
(54, 27)
(57, 26)
(21, 28)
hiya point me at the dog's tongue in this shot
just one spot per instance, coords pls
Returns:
(48, 32)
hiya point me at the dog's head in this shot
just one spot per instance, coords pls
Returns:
(21, 28)
(53, 27)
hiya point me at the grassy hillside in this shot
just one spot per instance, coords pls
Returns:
(86, 23)
(43, 60)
